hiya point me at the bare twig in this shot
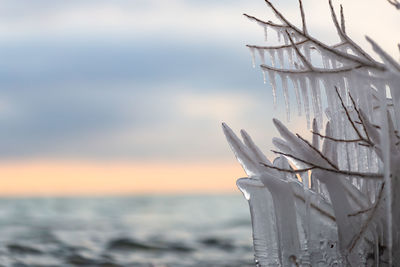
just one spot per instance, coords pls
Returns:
(287, 170)
(351, 120)
(323, 212)
(313, 166)
(314, 70)
(268, 23)
(355, 59)
(318, 152)
(343, 26)
(276, 47)
(303, 17)
(364, 227)
(385, 56)
(343, 35)
(395, 3)
(360, 117)
(362, 144)
(336, 139)
(335, 21)
(360, 212)
(303, 59)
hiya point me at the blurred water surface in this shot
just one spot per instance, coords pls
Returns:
(196, 230)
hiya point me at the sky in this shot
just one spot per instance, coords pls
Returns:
(128, 96)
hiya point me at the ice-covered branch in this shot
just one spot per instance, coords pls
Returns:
(303, 17)
(395, 3)
(341, 187)
(313, 70)
(339, 54)
(314, 166)
(367, 140)
(336, 139)
(366, 223)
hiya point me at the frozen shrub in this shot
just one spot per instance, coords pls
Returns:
(333, 200)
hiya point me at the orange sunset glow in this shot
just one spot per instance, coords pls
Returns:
(97, 178)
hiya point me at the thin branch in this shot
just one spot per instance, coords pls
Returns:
(287, 170)
(364, 227)
(303, 59)
(336, 139)
(277, 47)
(290, 46)
(339, 44)
(362, 144)
(373, 125)
(368, 63)
(303, 17)
(360, 212)
(342, 34)
(293, 157)
(395, 3)
(318, 152)
(350, 120)
(323, 212)
(313, 166)
(314, 70)
(360, 117)
(343, 26)
(385, 56)
(268, 23)
(335, 21)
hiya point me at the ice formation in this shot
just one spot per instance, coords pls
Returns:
(332, 201)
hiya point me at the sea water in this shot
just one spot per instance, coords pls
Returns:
(185, 230)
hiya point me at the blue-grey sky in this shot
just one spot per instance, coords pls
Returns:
(140, 80)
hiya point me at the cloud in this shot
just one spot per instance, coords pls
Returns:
(214, 106)
(143, 79)
(187, 19)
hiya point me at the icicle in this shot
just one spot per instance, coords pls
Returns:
(315, 138)
(385, 146)
(253, 56)
(285, 39)
(307, 52)
(304, 92)
(325, 61)
(286, 95)
(315, 98)
(266, 33)
(297, 92)
(285, 214)
(280, 58)
(279, 33)
(272, 57)
(262, 56)
(332, 101)
(351, 149)
(315, 143)
(333, 63)
(289, 52)
(271, 76)
(264, 76)
(342, 156)
(244, 155)
(265, 233)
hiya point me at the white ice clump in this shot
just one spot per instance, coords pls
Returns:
(332, 201)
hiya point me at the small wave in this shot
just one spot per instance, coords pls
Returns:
(79, 260)
(224, 244)
(132, 245)
(23, 249)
